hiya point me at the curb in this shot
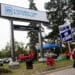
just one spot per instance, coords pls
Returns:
(46, 72)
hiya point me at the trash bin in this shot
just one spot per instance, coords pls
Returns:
(29, 64)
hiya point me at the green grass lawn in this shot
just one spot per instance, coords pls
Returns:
(37, 67)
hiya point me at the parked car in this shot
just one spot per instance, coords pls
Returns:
(51, 54)
(13, 64)
(5, 60)
(1, 62)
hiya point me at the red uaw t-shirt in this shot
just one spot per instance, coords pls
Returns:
(31, 56)
(50, 61)
(73, 56)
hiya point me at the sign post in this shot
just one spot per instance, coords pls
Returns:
(40, 41)
(12, 41)
(42, 59)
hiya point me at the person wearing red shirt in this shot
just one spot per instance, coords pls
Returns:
(68, 54)
(73, 57)
(31, 55)
(50, 61)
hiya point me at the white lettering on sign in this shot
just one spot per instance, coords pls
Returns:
(65, 32)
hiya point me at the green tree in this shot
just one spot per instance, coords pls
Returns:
(19, 49)
(1, 54)
(33, 34)
(57, 11)
(72, 4)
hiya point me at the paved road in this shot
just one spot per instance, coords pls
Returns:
(70, 71)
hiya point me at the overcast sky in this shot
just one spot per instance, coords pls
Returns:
(19, 36)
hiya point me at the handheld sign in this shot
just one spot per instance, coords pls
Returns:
(65, 33)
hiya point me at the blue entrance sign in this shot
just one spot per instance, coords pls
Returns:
(65, 33)
(15, 12)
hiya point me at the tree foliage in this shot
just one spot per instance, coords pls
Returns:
(33, 34)
(72, 4)
(57, 11)
(19, 49)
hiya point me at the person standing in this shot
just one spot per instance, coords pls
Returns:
(68, 54)
(73, 57)
(31, 55)
(50, 61)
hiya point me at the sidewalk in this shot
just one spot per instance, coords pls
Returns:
(69, 71)
(62, 71)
